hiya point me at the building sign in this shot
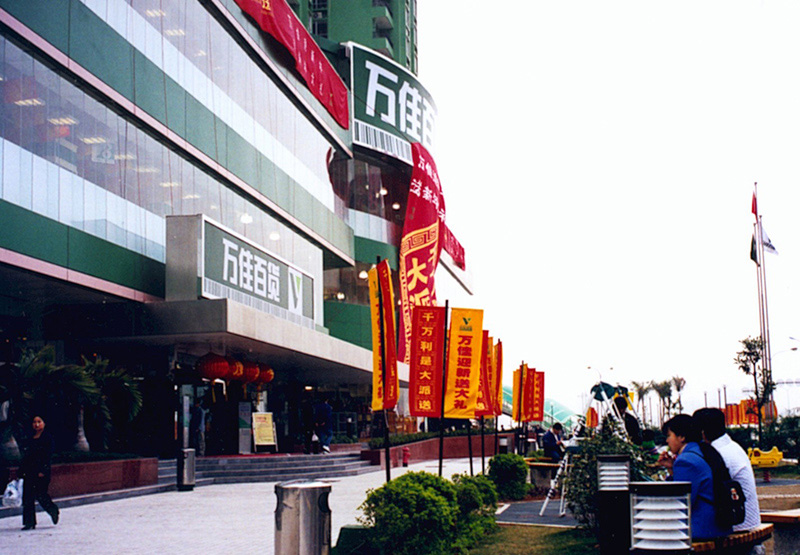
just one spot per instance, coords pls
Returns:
(238, 269)
(390, 107)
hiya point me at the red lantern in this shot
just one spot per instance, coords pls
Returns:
(236, 369)
(212, 367)
(266, 374)
(251, 372)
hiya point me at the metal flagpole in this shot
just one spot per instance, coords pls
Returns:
(469, 445)
(483, 449)
(382, 335)
(444, 387)
(518, 435)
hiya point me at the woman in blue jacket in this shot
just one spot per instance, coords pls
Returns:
(685, 463)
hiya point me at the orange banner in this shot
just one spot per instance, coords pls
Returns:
(463, 363)
(381, 295)
(498, 380)
(516, 398)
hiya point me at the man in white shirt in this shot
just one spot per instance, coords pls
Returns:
(712, 424)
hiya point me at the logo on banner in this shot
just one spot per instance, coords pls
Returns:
(265, 5)
(295, 292)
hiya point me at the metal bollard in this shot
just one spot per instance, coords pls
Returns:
(186, 470)
(302, 518)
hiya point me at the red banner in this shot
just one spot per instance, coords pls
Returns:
(732, 415)
(276, 18)
(421, 244)
(453, 248)
(528, 392)
(427, 361)
(498, 380)
(537, 409)
(485, 405)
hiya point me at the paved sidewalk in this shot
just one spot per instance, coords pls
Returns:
(235, 518)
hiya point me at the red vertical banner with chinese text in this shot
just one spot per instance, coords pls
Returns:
(277, 19)
(427, 361)
(421, 243)
(528, 387)
(498, 380)
(485, 405)
(516, 401)
(537, 410)
(381, 295)
(463, 363)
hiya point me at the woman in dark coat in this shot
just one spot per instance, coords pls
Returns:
(35, 470)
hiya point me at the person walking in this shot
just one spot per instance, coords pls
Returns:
(35, 471)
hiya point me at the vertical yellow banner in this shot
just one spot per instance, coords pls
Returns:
(374, 311)
(465, 349)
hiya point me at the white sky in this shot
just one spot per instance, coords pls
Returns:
(598, 161)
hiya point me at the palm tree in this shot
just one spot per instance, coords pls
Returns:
(36, 384)
(642, 389)
(664, 392)
(679, 383)
(120, 399)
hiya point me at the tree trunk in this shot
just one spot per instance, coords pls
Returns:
(80, 440)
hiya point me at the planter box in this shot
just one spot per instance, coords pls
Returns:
(428, 449)
(93, 477)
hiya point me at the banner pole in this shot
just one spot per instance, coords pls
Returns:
(519, 406)
(444, 386)
(496, 432)
(469, 445)
(382, 333)
(483, 450)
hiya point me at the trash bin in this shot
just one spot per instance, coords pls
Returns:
(503, 445)
(186, 463)
(302, 518)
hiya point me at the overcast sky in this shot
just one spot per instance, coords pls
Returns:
(598, 160)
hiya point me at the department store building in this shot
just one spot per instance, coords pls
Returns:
(171, 186)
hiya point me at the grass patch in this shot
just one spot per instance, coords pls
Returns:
(790, 471)
(539, 540)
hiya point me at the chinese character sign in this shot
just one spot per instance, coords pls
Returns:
(277, 19)
(485, 391)
(537, 402)
(420, 245)
(528, 392)
(384, 391)
(498, 379)
(463, 363)
(427, 361)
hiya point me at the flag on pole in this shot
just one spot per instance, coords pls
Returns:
(753, 249)
(485, 405)
(754, 207)
(427, 360)
(515, 400)
(767, 242)
(382, 296)
(463, 363)
(498, 379)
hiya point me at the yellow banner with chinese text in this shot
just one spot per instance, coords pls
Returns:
(465, 349)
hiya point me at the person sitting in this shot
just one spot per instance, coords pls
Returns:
(632, 427)
(711, 424)
(552, 444)
(685, 463)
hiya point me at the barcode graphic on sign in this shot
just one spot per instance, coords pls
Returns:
(371, 137)
(216, 290)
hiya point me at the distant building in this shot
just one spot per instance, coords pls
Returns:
(386, 26)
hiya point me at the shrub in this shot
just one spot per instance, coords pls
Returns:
(581, 482)
(420, 513)
(783, 434)
(509, 474)
(413, 514)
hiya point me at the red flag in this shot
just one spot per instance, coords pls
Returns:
(754, 207)
(528, 391)
(427, 361)
(276, 18)
(421, 243)
(383, 338)
(498, 380)
(485, 397)
(537, 411)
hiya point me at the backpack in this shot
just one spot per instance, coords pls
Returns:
(728, 495)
